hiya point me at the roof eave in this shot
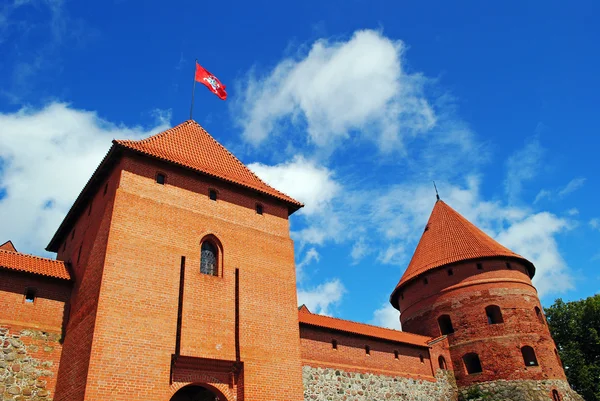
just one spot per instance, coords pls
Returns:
(414, 343)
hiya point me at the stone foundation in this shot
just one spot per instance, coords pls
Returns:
(27, 367)
(327, 384)
(521, 390)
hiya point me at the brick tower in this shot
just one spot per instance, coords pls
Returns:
(463, 284)
(183, 277)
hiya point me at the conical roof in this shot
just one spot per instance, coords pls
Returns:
(450, 238)
(190, 146)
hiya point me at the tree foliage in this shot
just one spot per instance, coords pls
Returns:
(575, 327)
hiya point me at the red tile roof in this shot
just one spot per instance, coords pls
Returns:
(311, 319)
(190, 146)
(33, 264)
(450, 238)
(8, 246)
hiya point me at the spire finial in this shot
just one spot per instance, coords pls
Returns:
(437, 196)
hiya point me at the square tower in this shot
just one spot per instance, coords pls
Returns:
(184, 277)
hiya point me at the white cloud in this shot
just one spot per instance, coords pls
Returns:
(595, 223)
(304, 180)
(322, 298)
(310, 256)
(534, 237)
(386, 316)
(522, 166)
(562, 192)
(544, 193)
(394, 254)
(572, 186)
(573, 211)
(359, 250)
(47, 156)
(338, 89)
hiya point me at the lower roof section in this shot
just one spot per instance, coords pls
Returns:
(305, 317)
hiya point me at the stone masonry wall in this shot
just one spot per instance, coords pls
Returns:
(522, 390)
(28, 364)
(328, 384)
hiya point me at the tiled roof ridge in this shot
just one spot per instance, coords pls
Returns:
(33, 256)
(394, 331)
(153, 138)
(35, 264)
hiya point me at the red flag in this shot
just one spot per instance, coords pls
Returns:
(210, 81)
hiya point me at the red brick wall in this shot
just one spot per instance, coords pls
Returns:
(45, 313)
(463, 296)
(152, 227)
(37, 325)
(91, 233)
(350, 355)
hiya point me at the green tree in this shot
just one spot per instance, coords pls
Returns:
(575, 327)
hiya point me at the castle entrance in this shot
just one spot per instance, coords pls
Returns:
(196, 393)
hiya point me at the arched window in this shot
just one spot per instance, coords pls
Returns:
(442, 363)
(396, 354)
(555, 395)
(529, 356)
(209, 259)
(472, 363)
(539, 315)
(557, 357)
(367, 350)
(334, 344)
(445, 324)
(494, 315)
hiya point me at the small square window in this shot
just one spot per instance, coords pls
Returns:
(508, 266)
(425, 281)
(30, 295)
(212, 194)
(160, 179)
(259, 208)
(396, 354)
(105, 188)
(479, 266)
(450, 272)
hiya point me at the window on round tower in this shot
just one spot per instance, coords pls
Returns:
(539, 315)
(445, 324)
(494, 314)
(442, 363)
(472, 363)
(529, 357)
(208, 259)
(555, 395)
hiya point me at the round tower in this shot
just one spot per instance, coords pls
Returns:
(463, 284)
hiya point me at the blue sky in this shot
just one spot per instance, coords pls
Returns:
(353, 107)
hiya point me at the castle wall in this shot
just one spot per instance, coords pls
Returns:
(331, 384)
(29, 335)
(464, 296)
(349, 372)
(153, 226)
(84, 249)
(522, 390)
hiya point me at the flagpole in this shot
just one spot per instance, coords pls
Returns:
(193, 90)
